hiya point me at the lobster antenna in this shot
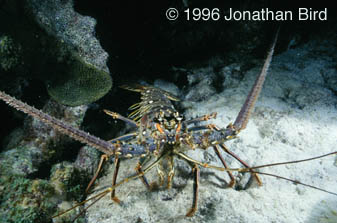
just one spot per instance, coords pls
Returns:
(244, 114)
(57, 124)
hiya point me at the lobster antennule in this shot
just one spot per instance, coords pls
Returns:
(244, 114)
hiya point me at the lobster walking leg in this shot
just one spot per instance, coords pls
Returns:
(161, 173)
(143, 178)
(114, 179)
(104, 158)
(171, 172)
(205, 165)
(259, 181)
(194, 207)
(232, 182)
(99, 196)
(216, 149)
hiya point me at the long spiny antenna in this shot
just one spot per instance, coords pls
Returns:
(57, 124)
(243, 116)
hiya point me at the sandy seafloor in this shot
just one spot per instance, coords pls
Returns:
(295, 118)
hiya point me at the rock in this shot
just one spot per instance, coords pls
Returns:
(9, 53)
(51, 42)
(24, 196)
(87, 160)
(40, 144)
(86, 78)
(60, 19)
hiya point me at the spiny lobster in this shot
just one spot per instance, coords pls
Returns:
(162, 133)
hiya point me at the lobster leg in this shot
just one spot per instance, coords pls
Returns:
(142, 173)
(161, 173)
(216, 149)
(194, 207)
(104, 158)
(259, 181)
(232, 182)
(171, 172)
(114, 179)
(205, 165)
(99, 196)
(139, 170)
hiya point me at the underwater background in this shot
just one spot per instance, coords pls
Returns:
(68, 58)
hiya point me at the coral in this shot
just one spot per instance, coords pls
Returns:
(24, 200)
(83, 84)
(36, 201)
